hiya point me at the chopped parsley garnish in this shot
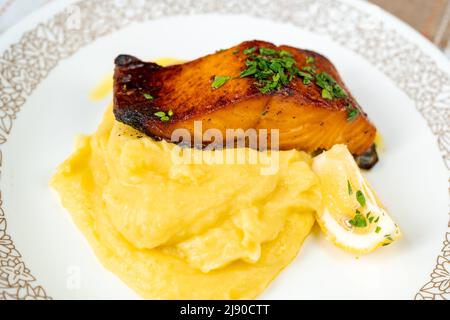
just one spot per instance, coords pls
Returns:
(330, 88)
(360, 197)
(339, 92)
(377, 229)
(219, 81)
(250, 50)
(310, 69)
(267, 51)
(352, 112)
(327, 94)
(163, 116)
(249, 71)
(358, 221)
(389, 237)
(272, 69)
(349, 188)
(148, 96)
(307, 78)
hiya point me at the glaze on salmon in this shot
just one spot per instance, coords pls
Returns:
(305, 119)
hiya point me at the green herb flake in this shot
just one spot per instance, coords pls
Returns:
(249, 71)
(219, 81)
(338, 91)
(377, 219)
(378, 229)
(163, 116)
(160, 114)
(309, 69)
(148, 96)
(236, 51)
(267, 51)
(330, 88)
(307, 78)
(360, 198)
(284, 53)
(249, 50)
(349, 188)
(358, 221)
(326, 94)
(310, 60)
(352, 112)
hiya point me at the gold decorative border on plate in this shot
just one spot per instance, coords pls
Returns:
(26, 63)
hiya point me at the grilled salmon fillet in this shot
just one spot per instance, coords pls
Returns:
(157, 100)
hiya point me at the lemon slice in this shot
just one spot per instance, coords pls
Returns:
(352, 217)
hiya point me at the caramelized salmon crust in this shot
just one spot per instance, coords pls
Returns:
(305, 119)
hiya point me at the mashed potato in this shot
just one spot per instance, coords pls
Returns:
(185, 231)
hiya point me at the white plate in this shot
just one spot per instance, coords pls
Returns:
(50, 62)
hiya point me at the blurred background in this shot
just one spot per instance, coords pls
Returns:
(430, 17)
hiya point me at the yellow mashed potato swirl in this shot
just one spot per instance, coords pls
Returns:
(186, 231)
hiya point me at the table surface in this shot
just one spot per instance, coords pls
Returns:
(430, 17)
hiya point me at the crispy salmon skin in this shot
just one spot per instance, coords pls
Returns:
(157, 100)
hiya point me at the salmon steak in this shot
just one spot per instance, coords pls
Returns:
(254, 85)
